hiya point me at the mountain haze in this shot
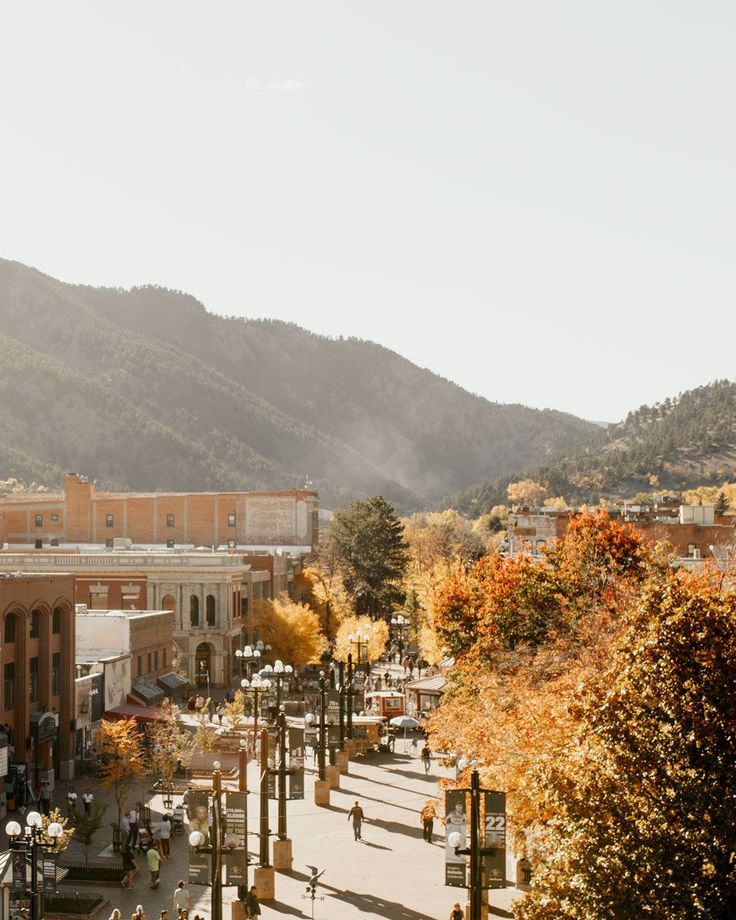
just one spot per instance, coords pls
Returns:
(145, 389)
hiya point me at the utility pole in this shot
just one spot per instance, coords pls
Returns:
(282, 774)
(264, 828)
(322, 726)
(350, 696)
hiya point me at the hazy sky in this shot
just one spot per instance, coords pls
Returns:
(536, 200)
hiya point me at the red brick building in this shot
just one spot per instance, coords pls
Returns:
(37, 689)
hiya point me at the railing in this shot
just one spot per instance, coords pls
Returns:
(119, 560)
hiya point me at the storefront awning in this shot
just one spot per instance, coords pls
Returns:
(147, 693)
(133, 711)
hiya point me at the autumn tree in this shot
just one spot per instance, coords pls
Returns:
(636, 813)
(123, 760)
(376, 632)
(293, 631)
(526, 492)
(171, 744)
(365, 543)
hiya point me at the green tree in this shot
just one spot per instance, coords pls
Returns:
(86, 826)
(123, 760)
(636, 815)
(721, 506)
(366, 542)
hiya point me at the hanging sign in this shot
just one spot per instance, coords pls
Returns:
(456, 821)
(494, 843)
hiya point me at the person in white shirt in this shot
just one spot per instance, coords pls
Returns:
(182, 900)
(87, 799)
(165, 836)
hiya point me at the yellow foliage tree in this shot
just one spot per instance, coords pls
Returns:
(376, 632)
(293, 631)
(526, 492)
(327, 595)
(121, 749)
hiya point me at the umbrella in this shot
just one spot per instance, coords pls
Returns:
(404, 722)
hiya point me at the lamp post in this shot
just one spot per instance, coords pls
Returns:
(33, 840)
(350, 696)
(341, 698)
(278, 675)
(249, 656)
(198, 840)
(322, 725)
(281, 830)
(360, 640)
(264, 828)
(258, 686)
(398, 624)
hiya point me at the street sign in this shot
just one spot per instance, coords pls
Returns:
(199, 867)
(235, 867)
(19, 868)
(296, 762)
(48, 872)
(235, 818)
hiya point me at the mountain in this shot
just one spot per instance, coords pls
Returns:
(684, 442)
(145, 389)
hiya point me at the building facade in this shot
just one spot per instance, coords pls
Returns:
(80, 514)
(37, 695)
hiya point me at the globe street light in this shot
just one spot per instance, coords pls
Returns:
(197, 841)
(250, 655)
(33, 839)
(258, 685)
(278, 674)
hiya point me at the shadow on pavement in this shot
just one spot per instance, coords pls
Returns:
(499, 911)
(372, 798)
(415, 774)
(375, 846)
(282, 908)
(368, 903)
(396, 827)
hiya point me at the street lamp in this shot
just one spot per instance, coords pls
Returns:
(197, 841)
(277, 674)
(359, 639)
(250, 656)
(258, 685)
(322, 726)
(349, 694)
(33, 839)
(281, 830)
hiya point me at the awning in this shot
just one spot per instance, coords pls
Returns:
(133, 711)
(172, 682)
(149, 693)
(434, 684)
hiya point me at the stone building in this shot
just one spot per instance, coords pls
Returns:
(37, 690)
(80, 514)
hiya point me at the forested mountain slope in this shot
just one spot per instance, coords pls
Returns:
(146, 389)
(678, 444)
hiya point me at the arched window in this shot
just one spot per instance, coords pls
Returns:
(194, 610)
(168, 602)
(211, 610)
(56, 621)
(35, 624)
(10, 626)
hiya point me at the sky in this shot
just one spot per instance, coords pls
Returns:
(533, 199)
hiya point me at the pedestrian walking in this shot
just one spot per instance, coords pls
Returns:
(71, 800)
(252, 905)
(427, 816)
(139, 913)
(165, 836)
(456, 913)
(357, 816)
(44, 797)
(115, 915)
(130, 868)
(426, 757)
(153, 858)
(182, 899)
(87, 799)
(164, 915)
(134, 822)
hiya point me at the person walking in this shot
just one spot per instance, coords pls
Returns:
(182, 900)
(130, 868)
(44, 797)
(252, 904)
(357, 816)
(71, 800)
(165, 837)
(134, 821)
(87, 799)
(426, 757)
(153, 858)
(456, 913)
(139, 913)
(116, 915)
(427, 816)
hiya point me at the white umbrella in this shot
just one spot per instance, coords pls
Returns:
(404, 722)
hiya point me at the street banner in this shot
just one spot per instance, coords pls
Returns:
(456, 821)
(332, 709)
(236, 805)
(199, 867)
(48, 872)
(296, 762)
(19, 868)
(235, 867)
(494, 862)
(199, 813)
(273, 762)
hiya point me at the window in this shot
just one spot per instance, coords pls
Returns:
(211, 610)
(109, 520)
(10, 628)
(155, 661)
(243, 605)
(54, 518)
(169, 520)
(149, 662)
(56, 621)
(164, 657)
(39, 520)
(56, 674)
(9, 685)
(35, 624)
(231, 519)
(140, 665)
(34, 680)
(194, 610)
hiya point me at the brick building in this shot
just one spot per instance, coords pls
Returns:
(80, 514)
(211, 596)
(37, 689)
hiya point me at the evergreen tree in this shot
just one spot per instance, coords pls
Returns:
(366, 544)
(721, 504)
